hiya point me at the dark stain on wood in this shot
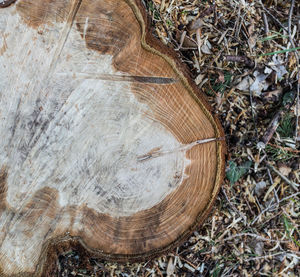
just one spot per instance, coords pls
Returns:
(37, 13)
(153, 80)
(129, 78)
(57, 247)
(99, 31)
(3, 187)
(43, 199)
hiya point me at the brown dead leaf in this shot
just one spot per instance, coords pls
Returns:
(252, 36)
(221, 78)
(272, 95)
(170, 267)
(187, 41)
(292, 246)
(285, 170)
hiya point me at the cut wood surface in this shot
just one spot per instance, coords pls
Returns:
(105, 142)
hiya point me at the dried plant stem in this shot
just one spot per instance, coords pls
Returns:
(254, 236)
(267, 256)
(291, 183)
(234, 208)
(272, 16)
(252, 110)
(289, 197)
(266, 24)
(272, 127)
(297, 62)
(271, 206)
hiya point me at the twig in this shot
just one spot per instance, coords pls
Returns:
(182, 37)
(241, 59)
(238, 24)
(292, 41)
(271, 206)
(187, 261)
(252, 110)
(297, 63)
(289, 197)
(288, 149)
(158, 270)
(234, 208)
(266, 24)
(199, 41)
(266, 256)
(272, 16)
(290, 23)
(272, 127)
(254, 236)
(271, 180)
(291, 183)
(215, 13)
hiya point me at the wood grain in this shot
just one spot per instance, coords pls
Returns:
(99, 127)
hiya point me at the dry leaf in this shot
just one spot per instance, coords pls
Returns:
(273, 95)
(285, 170)
(170, 267)
(293, 247)
(260, 187)
(245, 84)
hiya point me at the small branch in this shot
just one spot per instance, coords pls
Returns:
(254, 236)
(234, 208)
(272, 16)
(288, 149)
(199, 42)
(291, 183)
(272, 183)
(289, 197)
(297, 63)
(290, 23)
(272, 127)
(252, 110)
(241, 59)
(271, 206)
(292, 41)
(266, 24)
(266, 256)
(182, 37)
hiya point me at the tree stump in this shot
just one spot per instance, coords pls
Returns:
(106, 144)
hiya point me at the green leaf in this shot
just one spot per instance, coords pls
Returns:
(288, 98)
(217, 271)
(280, 51)
(288, 227)
(287, 126)
(287, 224)
(234, 172)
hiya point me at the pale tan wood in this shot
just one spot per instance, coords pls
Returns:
(101, 136)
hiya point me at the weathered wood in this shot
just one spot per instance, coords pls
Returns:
(101, 133)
